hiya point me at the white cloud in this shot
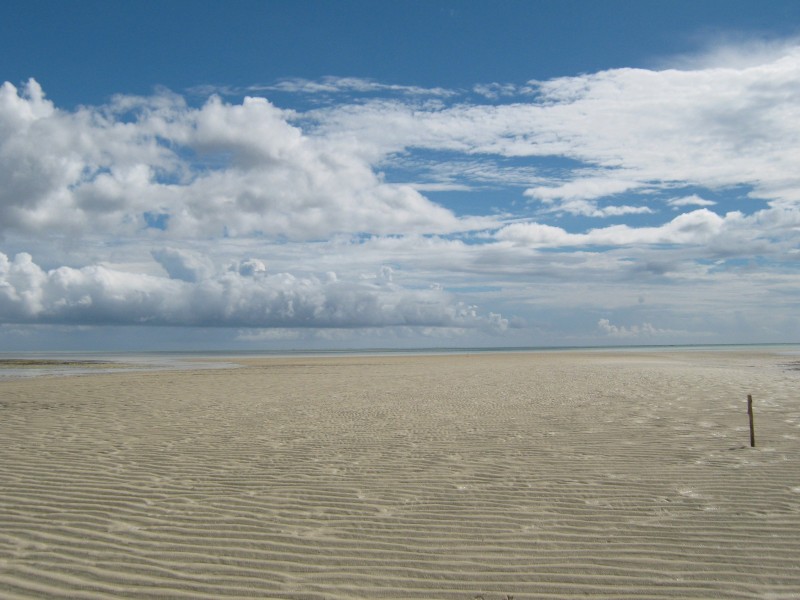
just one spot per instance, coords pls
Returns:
(246, 169)
(588, 208)
(253, 267)
(538, 234)
(693, 200)
(577, 197)
(183, 264)
(710, 127)
(149, 209)
(696, 227)
(734, 51)
(236, 170)
(581, 189)
(246, 296)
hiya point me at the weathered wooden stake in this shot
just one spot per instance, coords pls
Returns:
(750, 414)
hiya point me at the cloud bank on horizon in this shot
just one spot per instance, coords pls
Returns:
(636, 204)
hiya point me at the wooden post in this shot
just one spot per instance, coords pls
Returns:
(750, 414)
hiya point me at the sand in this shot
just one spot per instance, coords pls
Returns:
(543, 475)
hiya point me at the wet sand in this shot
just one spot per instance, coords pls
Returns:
(543, 475)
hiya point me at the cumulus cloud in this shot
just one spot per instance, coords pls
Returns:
(158, 203)
(696, 227)
(244, 296)
(156, 165)
(183, 264)
(538, 234)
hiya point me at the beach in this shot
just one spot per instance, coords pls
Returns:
(512, 475)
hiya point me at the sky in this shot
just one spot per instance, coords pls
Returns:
(203, 175)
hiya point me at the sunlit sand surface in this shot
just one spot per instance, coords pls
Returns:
(544, 475)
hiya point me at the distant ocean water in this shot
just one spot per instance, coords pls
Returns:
(74, 363)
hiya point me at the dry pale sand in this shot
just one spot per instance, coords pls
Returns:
(551, 475)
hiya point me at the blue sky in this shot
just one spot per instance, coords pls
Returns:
(202, 175)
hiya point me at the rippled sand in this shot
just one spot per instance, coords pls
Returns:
(552, 475)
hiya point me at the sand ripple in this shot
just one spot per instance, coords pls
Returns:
(526, 476)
